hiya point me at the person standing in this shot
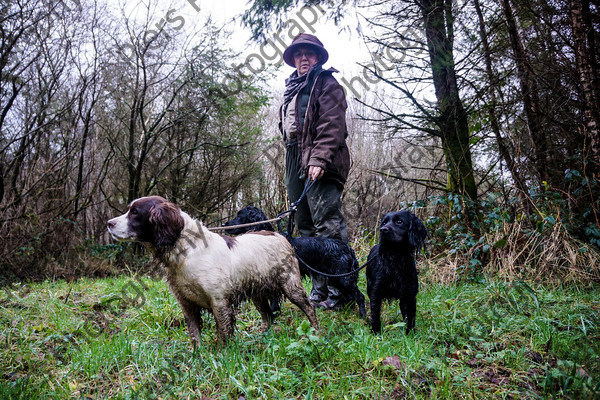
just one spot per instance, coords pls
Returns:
(313, 125)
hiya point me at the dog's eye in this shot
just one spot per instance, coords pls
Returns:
(133, 211)
(399, 222)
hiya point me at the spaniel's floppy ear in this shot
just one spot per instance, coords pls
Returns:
(417, 233)
(168, 224)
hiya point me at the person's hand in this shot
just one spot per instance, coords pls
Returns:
(315, 173)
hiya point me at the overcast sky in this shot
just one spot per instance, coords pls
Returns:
(345, 49)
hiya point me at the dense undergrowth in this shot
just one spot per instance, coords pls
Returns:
(546, 235)
(539, 240)
(536, 238)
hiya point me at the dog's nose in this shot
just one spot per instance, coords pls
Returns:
(110, 224)
(384, 229)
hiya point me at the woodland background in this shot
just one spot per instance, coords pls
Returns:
(486, 124)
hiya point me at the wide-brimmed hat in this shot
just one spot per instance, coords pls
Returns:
(305, 39)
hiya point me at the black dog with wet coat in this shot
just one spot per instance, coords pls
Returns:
(248, 215)
(391, 269)
(328, 255)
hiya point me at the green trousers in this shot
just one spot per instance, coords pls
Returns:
(318, 214)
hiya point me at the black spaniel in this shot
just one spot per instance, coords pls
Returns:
(391, 270)
(330, 256)
(247, 215)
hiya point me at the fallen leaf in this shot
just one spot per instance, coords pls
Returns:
(393, 361)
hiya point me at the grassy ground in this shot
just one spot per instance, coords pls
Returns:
(125, 338)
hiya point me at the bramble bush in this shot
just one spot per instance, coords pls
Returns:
(545, 234)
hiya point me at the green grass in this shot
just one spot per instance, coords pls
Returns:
(124, 338)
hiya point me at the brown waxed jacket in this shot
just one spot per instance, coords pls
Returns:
(322, 142)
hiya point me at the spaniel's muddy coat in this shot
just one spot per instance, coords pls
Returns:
(213, 272)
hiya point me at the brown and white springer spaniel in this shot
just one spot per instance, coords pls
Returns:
(213, 272)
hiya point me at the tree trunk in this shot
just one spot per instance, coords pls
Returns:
(87, 122)
(132, 191)
(503, 148)
(583, 36)
(452, 121)
(529, 91)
